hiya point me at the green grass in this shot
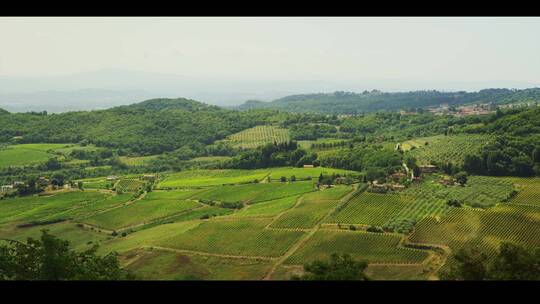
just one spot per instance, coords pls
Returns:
(258, 136)
(241, 237)
(163, 265)
(255, 193)
(139, 212)
(381, 272)
(302, 173)
(147, 237)
(370, 209)
(268, 208)
(79, 238)
(371, 247)
(205, 178)
(306, 215)
(26, 154)
(44, 208)
(334, 193)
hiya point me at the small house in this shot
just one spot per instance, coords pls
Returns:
(43, 181)
(112, 178)
(6, 188)
(308, 166)
(397, 187)
(340, 180)
(398, 176)
(149, 177)
(428, 168)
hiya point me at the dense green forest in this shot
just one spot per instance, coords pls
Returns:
(370, 101)
(150, 127)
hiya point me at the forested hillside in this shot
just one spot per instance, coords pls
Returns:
(369, 101)
(150, 127)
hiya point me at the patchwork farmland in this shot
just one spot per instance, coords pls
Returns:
(246, 224)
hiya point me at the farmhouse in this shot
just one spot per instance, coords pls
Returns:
(148, 177)
(43, 181)
(428, 168)
(308, 166)
(6, 188)
(397, 187)
(397, 176)
(447, 181)
(340, 180)
(112, 178)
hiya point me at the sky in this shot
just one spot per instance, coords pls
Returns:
(385, 53)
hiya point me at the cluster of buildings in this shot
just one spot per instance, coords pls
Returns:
(476, 109)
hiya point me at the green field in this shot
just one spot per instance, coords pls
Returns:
(529, 191)
(176, 233)
(371, 247)
(26, 154)
(137, 160)
(45, 208)
(164, 265)
(370, 209)
(486, 229)
(139, 212)
(479, 191)
(302, 173)
(442, 149)
(205, 178)
(258, 136)
(255, 193)
(79, 238)
(306, 215)
(229, 237)
(267, 209)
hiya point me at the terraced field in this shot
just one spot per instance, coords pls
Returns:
(258, 136)
(372, 247)
(442, 149)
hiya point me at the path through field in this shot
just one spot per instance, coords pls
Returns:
(306, 237)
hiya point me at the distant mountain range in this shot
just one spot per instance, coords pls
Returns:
(107, 88)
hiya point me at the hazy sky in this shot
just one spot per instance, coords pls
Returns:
(270, 49)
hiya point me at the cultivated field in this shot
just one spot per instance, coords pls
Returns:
(442, 149)
(372, 247)
(180, 234)
(258, 136)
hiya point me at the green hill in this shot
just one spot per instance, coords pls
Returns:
(352, 103)
(150, 127)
